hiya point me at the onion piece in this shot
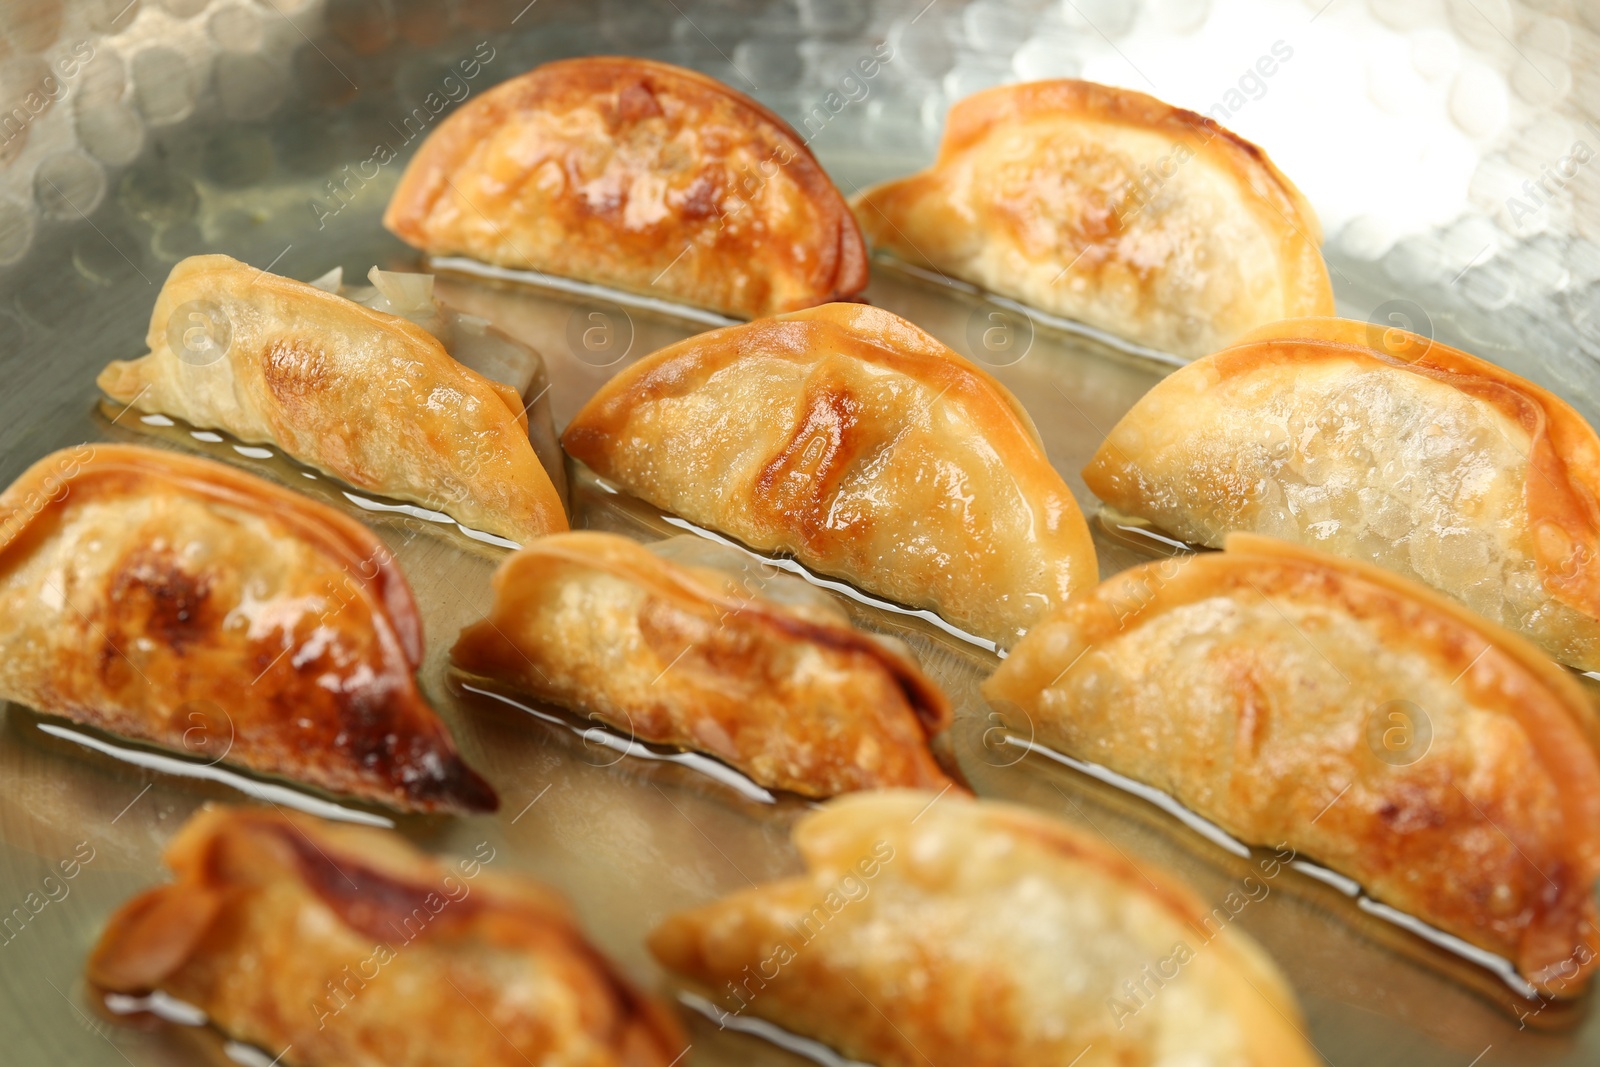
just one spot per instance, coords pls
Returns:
(407, 294)
(329, 282)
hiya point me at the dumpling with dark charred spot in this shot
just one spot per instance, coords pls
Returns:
(638, 175)
(178, 601)
(1110, 207)
(365, 391)
(343, 946)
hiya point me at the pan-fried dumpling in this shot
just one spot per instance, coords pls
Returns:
(472, 341)
(848, 437)
(1112, 208)
(986, 935)
(155, 595)
(368, 396)
(688, 655)
(638, 175)
(1381, 446)
(1375, 726)
(343, 946)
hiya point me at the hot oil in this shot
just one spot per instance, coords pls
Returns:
(130, 425)
(605, 746)
(233, 781)
(630, 834)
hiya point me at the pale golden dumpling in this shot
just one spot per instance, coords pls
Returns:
(982, 934)
(851, 439)
(1374, 726)
(367, 396)
(639, 175)
(691, 655)
(1107, 206)
(188, 604)
(1381, 446)
(343, 946)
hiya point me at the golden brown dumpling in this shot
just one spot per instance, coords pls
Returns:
(151, 594)
(689, 655)
(1376, 727)
(985, 935)
(343, 946)
(367, 396)
(848, 437)
(472, 341)
(638, 175)
(1381, 446)
(1112, 208)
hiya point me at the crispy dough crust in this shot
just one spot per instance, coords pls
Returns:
(366, 396)
(1561, 492)
(1437, 879)
(925, 949)
(1563, 500)
(162, 584)
(937, 219)
(861, 415)
(228, 935)
(608, 168)
(796, 699)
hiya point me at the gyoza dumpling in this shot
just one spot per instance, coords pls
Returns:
(1376, 727)
(639, 175)
(153, 595)
(367, 396)
(848, 437)
(343, 946)
(1382, 446)
(1112, 208)
(791, 694)
(984, 935)
(472, 341)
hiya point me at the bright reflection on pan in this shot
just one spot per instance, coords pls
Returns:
(249, 1055)
(460, 265)
(1204, 827)
(783, 563)
(1497, 965)
(183, 768)
(162, 1005)
(416, 511)
(605, 737)
(1038, 317)
(800, 1046)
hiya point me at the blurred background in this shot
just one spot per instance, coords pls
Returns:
(1448, 145)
